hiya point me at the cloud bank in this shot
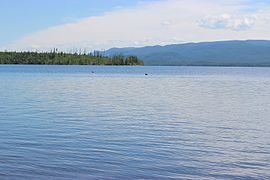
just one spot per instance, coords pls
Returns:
(160, 22)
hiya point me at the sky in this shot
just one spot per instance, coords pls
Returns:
(103, 24)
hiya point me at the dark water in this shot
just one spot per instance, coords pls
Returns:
(65, 122)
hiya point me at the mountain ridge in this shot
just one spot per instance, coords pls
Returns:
(217, 53)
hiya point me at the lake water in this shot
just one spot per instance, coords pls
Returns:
(89, 122)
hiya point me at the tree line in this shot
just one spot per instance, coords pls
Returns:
(61, 58)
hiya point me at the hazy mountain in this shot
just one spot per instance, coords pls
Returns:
(223, 53)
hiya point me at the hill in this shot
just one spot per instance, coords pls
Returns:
(222, 53)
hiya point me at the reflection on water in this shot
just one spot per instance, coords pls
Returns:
(64, 122)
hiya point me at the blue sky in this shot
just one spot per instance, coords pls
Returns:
(102, 24)
(22, 17)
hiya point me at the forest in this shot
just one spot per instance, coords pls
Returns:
(61, 58)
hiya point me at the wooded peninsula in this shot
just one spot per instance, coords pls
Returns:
(62, 58)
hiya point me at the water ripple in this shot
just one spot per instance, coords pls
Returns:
(58, 122)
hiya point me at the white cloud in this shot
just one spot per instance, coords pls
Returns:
(227, 21)
(166, 23)
(162, 22)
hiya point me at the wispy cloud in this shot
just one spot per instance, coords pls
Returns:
(160, 22)
(227, 21)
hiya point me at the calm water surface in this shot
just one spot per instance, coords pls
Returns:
(65, 122)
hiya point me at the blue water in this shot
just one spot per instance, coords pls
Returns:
(65, 122)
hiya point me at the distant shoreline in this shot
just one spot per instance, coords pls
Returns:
(224, 66)
(61, 58)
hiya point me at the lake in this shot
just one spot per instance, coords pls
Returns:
(96, 122)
